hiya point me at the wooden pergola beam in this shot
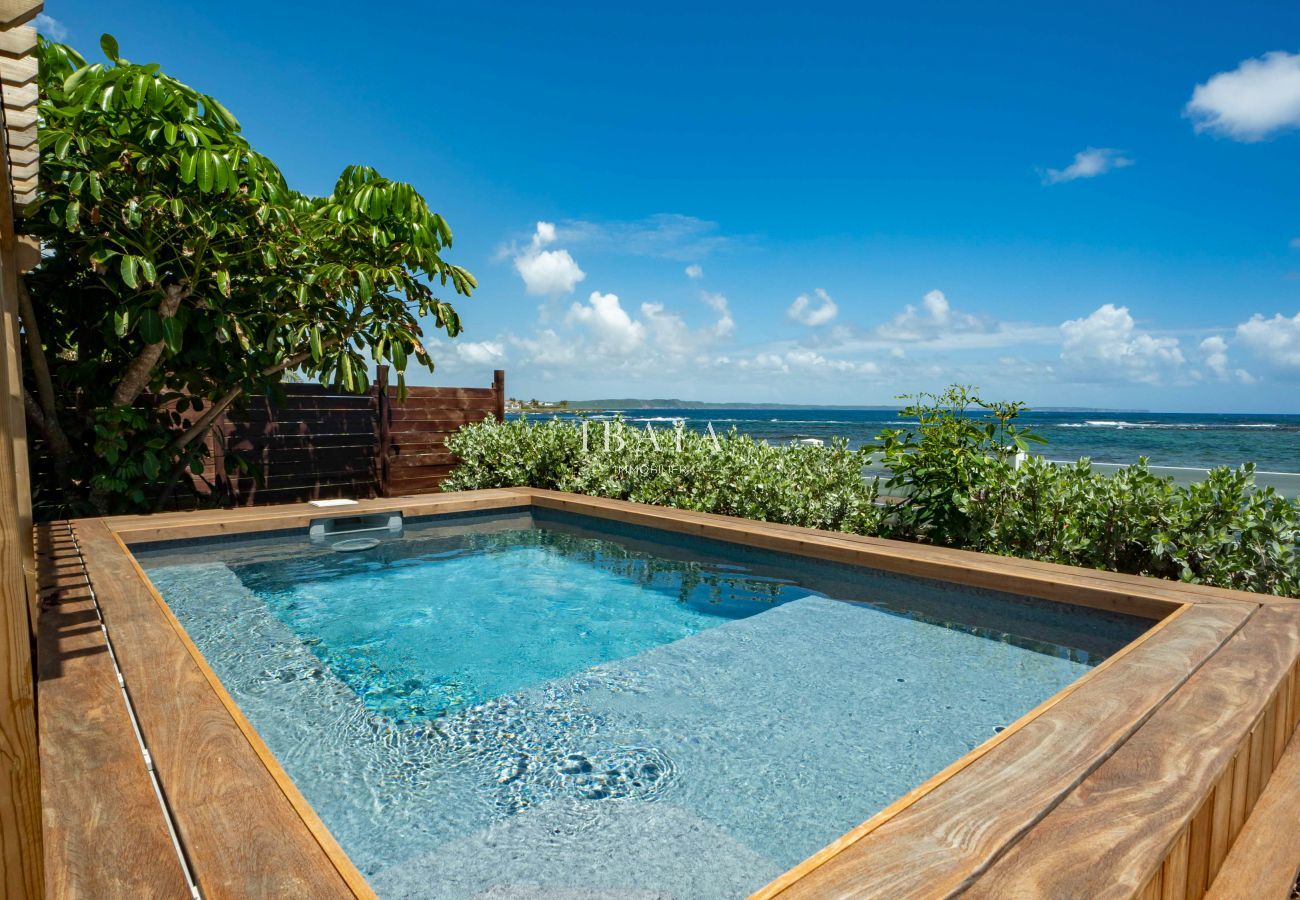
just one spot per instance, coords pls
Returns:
(19, 12)
(21, 841)
(18, 42)
(18, 71)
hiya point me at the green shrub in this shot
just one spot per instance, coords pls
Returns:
(958, 446)
(731, 474)
(961, 487)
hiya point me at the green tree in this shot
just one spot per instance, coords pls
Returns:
(180, 273)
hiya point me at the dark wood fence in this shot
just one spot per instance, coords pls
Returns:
(316, 444)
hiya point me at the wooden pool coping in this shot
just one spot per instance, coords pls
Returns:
(1135, 779)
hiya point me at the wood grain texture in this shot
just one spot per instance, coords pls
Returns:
(1127, 818)
(946, 837)
(215, 781)
(311, 442)
(20, 787)
(99, 781)
(173, 526)
(1264, 860)
(1198, 849)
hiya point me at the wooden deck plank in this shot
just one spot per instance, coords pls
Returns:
(1264, 861)
(948, 835)
(173, 526)
(216, 783)
(1108, 835)
(98, 778)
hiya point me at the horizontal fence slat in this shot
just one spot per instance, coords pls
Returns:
(462, 414)
(330, 425)
(299, 443)
(314, 418)
(400, 486)
(246, 484)
(319, 457)
(420, 460)
(436, 441)
(439, 393)
(307, 475)
(447, 420)
(413, 407)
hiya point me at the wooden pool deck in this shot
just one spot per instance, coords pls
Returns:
(1168, 771)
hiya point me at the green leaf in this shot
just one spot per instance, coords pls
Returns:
(206, 171)
(316, 350)
(188, 164)
(108, 44)
(71, 214)
(173, 332)
(138, 88)
(148, 271)
(128, 267)
(151, 327)
(121, 322)
(223, 281)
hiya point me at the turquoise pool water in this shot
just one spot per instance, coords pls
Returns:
(537, 704)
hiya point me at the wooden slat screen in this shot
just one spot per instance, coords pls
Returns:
(315, 444)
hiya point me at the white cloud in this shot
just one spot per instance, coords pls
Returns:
(1088, 164)
(805, 361)
(695, 271)
(1251, 102)
(546, 348)
(664, 235)
(51, 27)
(801, 310)
(547, 271)
(608, 323)
(1214, 350)
(718, 303)
(1275, 341)
(1107, 346)
(1294, 243)
(481, 352)
(935, 317)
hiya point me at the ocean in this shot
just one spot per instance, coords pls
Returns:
(1196, 440)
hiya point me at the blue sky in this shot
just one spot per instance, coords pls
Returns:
(1072, 206)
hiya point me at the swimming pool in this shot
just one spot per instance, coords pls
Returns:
(532, 700)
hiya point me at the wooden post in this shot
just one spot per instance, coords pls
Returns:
(21, 856)
(383, 433)
(499, 385)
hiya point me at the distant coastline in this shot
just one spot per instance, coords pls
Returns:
(1194, 440)
(633, 403)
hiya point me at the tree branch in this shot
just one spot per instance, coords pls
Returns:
(57, 439)
(34, 413)
(208, 419)
(136, 377)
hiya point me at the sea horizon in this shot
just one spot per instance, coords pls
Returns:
(1175, 439)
